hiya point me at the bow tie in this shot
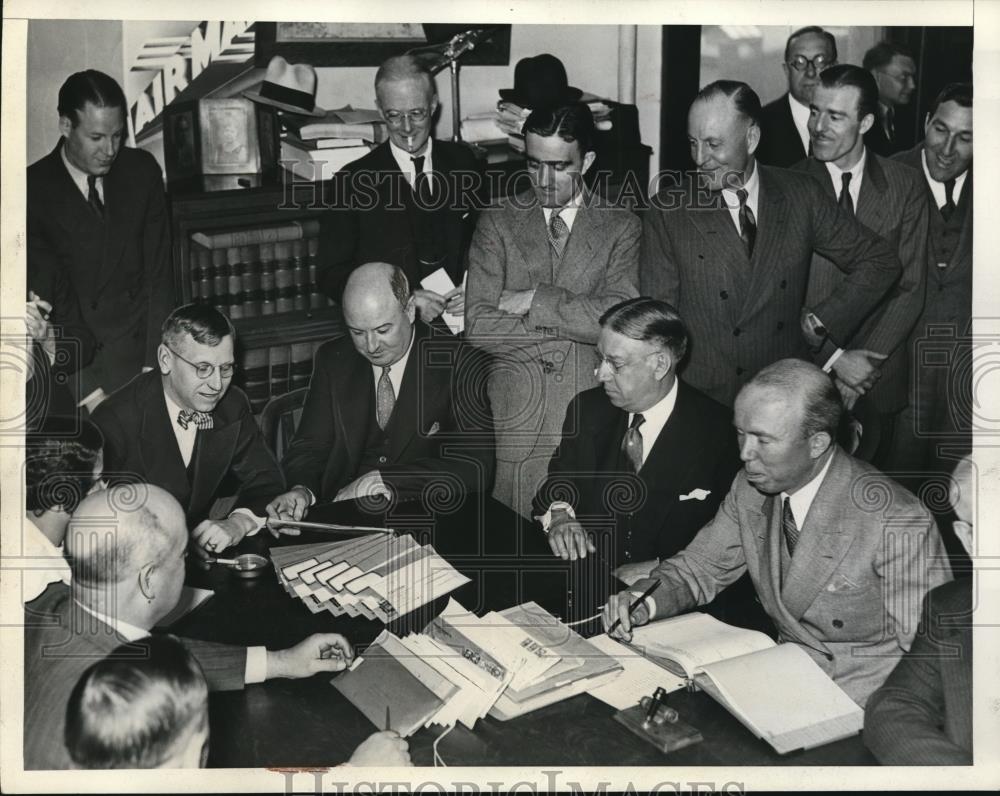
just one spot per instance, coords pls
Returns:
(202, 420)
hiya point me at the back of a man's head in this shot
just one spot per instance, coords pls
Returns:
(62, 462)
(144, 706)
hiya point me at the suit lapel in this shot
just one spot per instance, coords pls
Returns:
(771, 212)
(533, 242)
(116, 209)
(211, 458)
(353, 396)
(161, 456)
(577, 256)
(418, 395)
(872, 198)
(665, 464)
(715, 225)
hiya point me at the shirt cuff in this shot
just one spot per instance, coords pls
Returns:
(829, 363)
(559, 505)
(257, 521)
(93, 399)
(256, 671)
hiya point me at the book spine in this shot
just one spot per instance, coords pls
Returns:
(255, 377)
(267, 289)
(301, 369)
(278, 356)
(293, 230)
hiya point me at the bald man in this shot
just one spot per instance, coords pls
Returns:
(126, 547)
(394, 407)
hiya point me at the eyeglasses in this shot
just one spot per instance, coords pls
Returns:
(205, 370)
(417, 116)
(617, 367)
(799, 63)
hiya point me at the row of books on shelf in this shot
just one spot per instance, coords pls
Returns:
(277, 369)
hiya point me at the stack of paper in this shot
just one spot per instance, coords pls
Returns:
(378, 576)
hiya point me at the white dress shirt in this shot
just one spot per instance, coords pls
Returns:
(803, 497)
(256, 668)
(800, 115)
(567, 212)
(80, 177)
(395, 370)
(37, 546)
(185, 436)
(656, 418)
(857, 172)
(405, 162)
(937, 188)
(752, 187)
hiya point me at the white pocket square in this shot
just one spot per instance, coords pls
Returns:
(696, 494)
(434, 429)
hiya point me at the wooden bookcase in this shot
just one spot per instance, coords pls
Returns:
(274, 350)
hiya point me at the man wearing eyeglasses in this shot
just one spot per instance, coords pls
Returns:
(188, 430)
(784, 136)
(408, 202)
(895, 71)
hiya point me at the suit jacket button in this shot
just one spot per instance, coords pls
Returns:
(783, 284)
(382, 460)
(838, 624)
(739, 371)
(723, 295)
(93, 305)
(736, 332)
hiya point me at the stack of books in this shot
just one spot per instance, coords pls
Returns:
(316, 149)
(510, 118)
(377, 576)
(463, 667)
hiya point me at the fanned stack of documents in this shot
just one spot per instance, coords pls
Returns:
(463, 667)
(375, 576)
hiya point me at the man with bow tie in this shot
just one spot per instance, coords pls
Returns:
(188, 430)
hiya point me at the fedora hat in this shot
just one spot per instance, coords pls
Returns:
(539, 82)
(290, 87)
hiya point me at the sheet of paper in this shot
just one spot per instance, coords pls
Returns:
(639, 677)
(441, 283)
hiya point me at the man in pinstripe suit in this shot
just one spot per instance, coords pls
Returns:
(734, 259)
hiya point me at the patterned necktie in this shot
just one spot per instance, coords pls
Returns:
(632, 442)
(949, 201)
(748, 224)
(890, 126)
(846, 202)
(202, 420)
(788, 527)
(385, 399)
(94, 198)
(558, 232)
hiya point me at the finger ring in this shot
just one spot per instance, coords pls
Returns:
(210, 547)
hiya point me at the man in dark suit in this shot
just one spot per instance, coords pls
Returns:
(96, 213)
(894, 70)
(408, 202)
(784, 136)
(394, 407)
(839, 554)
(126, 577)
(188, 430)
(888, 199)
(922, 714)
(940, 347)
(734, 259)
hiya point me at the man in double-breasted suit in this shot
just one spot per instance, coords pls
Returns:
(731, 251)
(888, 199)
(409, 202)
(96, 212)
(940, 345)
(185, 428)
(396, 406)
(543, 267)
(839, 554)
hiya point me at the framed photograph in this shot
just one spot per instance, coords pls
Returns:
(368, 44)
(181, 150)
(228, 136)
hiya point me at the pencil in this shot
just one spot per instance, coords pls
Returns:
(388, 720)
(635, 605)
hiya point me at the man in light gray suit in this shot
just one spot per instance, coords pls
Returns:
(730, 248)
(840, 555)
(888, 199)
(543, 267)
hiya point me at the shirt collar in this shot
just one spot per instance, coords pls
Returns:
(405, 160)
(751, 186)
(567, 212)
(856, 171)
(79, 177)
(173, 410)
(804, 496)
(396, 368)
(937, 188)
(122, 628)
(657, 415)
(800, 112)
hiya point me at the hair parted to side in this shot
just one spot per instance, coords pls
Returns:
(815, 30)
(882, 53)
(842, 75)
(959, 93)
(59, 461)
(573, 122)
(131, 709)
(204, 323)
(90, 86)
(744, 98)
(822, 406)
(650, 320)
(404, 67)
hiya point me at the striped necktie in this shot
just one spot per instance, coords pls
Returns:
(632, 442)
(202, 420)
(788, 527)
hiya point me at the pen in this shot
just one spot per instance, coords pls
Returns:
(388, 720)
(635, 605)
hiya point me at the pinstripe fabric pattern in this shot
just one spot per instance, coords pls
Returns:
(743, 313)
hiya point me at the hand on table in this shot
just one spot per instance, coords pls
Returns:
(429, 303)
(617, 609)
(321, 652)
(292, 505)
(383, 748)
(568, 539)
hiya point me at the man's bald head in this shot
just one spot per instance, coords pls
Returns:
(115, 532)
(379, 312)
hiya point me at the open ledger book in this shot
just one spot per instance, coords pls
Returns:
(775, 690)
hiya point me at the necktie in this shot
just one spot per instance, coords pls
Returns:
(949, 201)
(93, 197)
(385, 399)
(202, 420)
(558, 232)
(748, 224)
(846, 202)
(809, 149)
(788, 527)
(421, 185)
(890, 127)
(632, 442)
